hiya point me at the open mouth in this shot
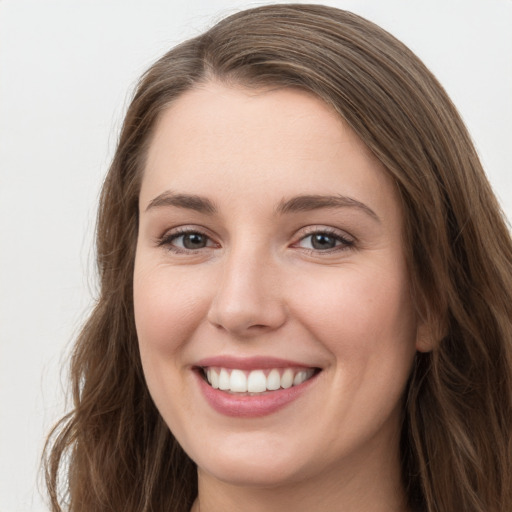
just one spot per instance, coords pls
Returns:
(255, 382)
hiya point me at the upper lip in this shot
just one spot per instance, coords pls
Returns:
(250, 363)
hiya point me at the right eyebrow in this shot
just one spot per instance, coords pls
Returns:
(191, 202)
(316, 202)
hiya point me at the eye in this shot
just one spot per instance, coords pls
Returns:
(186, 240)
(191, 241)
(325, 241)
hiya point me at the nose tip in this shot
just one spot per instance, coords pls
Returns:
(248, 301)
(244, 319)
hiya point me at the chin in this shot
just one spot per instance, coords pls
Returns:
(247, 473)
(259, 464)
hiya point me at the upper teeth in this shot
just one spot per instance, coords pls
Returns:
(256, 381)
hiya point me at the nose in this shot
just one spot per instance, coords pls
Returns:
(249, 298)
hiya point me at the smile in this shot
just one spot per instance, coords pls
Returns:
(256, 382)
(252, 387)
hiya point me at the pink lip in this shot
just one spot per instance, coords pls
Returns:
(248, 363)
(247, 406)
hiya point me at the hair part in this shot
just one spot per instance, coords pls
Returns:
(456, 444)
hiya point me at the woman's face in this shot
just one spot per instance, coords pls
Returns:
(270, 262)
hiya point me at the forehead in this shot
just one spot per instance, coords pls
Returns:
(231, 141)
(233, 116)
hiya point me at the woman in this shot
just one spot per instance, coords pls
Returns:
(306, 287)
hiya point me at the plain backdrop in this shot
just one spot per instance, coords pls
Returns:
(67, 68)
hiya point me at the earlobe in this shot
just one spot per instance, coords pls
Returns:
(427, 336)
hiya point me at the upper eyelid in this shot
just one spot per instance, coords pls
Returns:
(183, 230)
(311, 230)
(304, 231)
(174, 233)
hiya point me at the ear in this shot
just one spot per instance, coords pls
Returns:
(429, 335)
(424, 339)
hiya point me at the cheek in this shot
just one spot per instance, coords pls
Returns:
(166, 316)
(364, 317)
(366, 321)
(360, 301)
(167, 309)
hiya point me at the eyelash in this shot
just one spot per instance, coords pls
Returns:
(345, 242)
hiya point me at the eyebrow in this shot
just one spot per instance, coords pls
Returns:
(303, 203)
(306, 203)
(188, 201)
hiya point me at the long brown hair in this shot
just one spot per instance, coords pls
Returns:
(113, 452)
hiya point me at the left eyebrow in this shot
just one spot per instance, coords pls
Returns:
(306, 203)
(187, 201)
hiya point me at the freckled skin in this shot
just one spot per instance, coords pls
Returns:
(259, 287)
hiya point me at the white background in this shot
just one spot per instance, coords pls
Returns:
(66, 70)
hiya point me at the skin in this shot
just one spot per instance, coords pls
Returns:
(259, 287)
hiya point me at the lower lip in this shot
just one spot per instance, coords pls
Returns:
(247, 406)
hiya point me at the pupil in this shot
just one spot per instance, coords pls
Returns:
(194, 241)
(321, 241)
